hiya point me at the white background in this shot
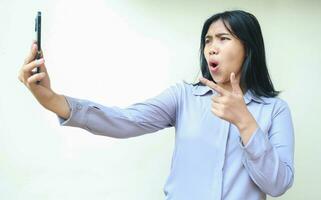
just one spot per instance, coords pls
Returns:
(119, 53)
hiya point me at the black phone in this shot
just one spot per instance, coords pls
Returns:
(38, 38)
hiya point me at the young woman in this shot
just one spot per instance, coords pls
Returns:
(234, 136)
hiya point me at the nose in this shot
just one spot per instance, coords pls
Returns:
(213, 50)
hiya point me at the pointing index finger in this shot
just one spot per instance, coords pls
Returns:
(212, 85)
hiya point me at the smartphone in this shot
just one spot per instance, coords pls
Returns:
(38, 38)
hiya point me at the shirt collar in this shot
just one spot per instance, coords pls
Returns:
(200, 90)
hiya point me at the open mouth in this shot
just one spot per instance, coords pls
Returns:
(213, 65)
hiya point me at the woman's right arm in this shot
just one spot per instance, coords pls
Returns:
(149, 116)
(42, 91)
(137, 119)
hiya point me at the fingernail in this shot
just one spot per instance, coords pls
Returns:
(40, 61)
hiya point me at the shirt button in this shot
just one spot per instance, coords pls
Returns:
(79, 106)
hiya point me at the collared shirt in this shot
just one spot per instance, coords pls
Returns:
(209, 160)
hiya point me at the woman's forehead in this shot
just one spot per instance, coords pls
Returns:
(218, 27)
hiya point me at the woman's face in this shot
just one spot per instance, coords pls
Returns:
(224, 54)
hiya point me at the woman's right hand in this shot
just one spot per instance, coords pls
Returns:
(42, 91)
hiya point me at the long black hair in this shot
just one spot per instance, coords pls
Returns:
(254, 73)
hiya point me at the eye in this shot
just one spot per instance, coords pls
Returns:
(224, 38)
(207, 41)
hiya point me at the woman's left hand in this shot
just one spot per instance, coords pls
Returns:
(231, 107)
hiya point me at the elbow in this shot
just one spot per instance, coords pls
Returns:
(276, 193)
(116, 135)
(280, 189)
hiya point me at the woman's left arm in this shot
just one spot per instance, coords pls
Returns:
(268, 157)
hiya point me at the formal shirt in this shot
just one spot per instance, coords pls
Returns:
(209, 161)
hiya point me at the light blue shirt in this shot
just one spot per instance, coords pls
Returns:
(209, 160)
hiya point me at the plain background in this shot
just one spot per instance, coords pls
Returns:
(122, 52)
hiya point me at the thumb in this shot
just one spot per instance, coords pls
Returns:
(235, 84)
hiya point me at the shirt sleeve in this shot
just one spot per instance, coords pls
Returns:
(140, 118)
(268, 157)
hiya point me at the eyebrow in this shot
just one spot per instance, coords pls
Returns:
(217, 35)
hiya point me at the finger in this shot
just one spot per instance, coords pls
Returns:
(32, 65)
(36, 77)
(214, 86)
(218, 99)
(27, 70)
(217, 106)
(217, 112)
(218, 109)
(32, 53)
(235, 84)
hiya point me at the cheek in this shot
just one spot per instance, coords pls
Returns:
(205, 53)
(235, 60)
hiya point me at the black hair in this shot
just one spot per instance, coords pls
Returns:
(254, 73)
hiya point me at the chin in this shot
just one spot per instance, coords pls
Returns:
(215, 78)
(219, 79)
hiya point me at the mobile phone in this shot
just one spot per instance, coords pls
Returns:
(38, 38)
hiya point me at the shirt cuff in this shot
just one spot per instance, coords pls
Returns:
(78, 110)
(258, 144)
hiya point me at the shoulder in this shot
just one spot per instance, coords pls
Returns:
(275, 101)
(266, 101)
(182, 87)
(277, 105)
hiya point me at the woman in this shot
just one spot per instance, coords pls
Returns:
(234, 137)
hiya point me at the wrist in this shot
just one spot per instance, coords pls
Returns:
(51, 101)
(247, 128)
(247, 125)
(58, 104)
